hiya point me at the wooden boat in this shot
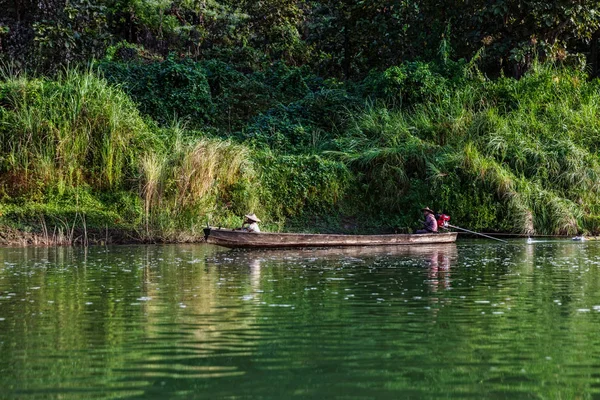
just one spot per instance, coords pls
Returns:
(241, 239)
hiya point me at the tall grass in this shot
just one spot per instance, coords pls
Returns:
(513, 155)
(59, 137)
(185, 185)
(526, 149)
(77, 137)
(66, 132)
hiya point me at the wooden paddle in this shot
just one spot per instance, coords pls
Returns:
(476, 233)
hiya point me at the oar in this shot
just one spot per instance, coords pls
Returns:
(476, 233)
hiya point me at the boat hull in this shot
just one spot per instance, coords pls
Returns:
(240, 239)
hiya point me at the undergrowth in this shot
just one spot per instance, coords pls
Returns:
(76, 151)
(503, 155)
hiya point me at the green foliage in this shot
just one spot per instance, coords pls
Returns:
(415, 82)
(518, 34)
(74, 209)
(506, 155)
(75, 33)
(76, 151)
(294, 109)
(293, 185)
(207, 94)
(277, 34)
(336, 39)
(308, 125)
(43, 37)
(124, 52)
(64, 133)
(165, 90)
(409, 83)
(238, 97)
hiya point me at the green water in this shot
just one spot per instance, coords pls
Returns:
(471, 320)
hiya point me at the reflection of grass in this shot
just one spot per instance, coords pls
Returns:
(429, 344)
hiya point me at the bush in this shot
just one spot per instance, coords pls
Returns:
(292, 185)
(309, 125)
(165, 90)
(409, 83)
(505, 155)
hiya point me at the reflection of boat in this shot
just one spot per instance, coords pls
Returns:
(431, 254)
(237, 238)
(422, 251)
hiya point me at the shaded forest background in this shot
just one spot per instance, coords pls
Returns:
(347, 116)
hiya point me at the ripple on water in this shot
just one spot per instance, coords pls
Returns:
(158, 320)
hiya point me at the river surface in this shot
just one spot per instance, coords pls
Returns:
(467, 321)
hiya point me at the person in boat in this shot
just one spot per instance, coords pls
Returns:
(251, 220)
(430, 225)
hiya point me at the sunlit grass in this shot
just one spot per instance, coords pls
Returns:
(533, 143)
(76, 132)
(73, 130)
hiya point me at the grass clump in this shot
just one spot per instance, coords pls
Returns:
(193, 181)
(78, 146)
(76, 152)
(512, 155)
(72, 131)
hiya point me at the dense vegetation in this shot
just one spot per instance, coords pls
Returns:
(157, 118)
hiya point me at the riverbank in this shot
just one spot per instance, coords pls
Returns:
(58, 237)
(504, 155)
(11, 237)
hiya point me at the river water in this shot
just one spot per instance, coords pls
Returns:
(466, 321)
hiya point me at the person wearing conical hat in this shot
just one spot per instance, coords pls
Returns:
(252, 221)
(430, 224)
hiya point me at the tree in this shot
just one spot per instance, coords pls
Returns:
(353, 36)
(513, 32)
(46, 34)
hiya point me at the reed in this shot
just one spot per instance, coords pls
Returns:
(186, 183)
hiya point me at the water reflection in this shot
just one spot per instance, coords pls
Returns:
(421, 251)
(366, 322)
(255, 273)
(438, 260)
(439, 268)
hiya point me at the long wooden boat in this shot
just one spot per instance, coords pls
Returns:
(241, 239)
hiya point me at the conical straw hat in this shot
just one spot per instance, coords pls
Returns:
(252, 217)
